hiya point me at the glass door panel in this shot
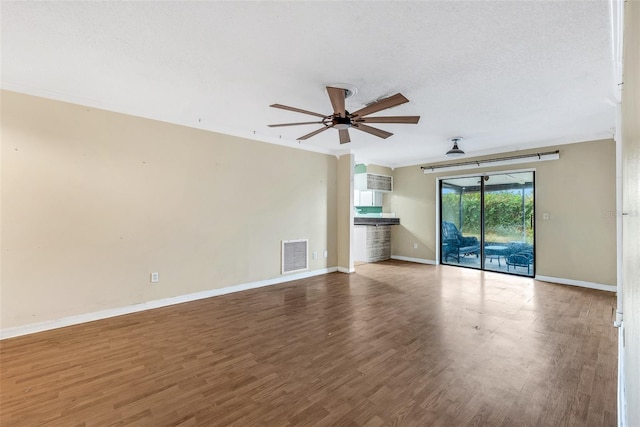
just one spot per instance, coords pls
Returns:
(461, 220)
(508, 205)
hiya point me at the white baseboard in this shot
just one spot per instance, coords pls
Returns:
(105, 314)
(418, 260)
(622, 399)
(346, 270)
(580, 283)
(591, 285)
(113, 312)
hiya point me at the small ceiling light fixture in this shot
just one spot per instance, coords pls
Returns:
(455, 150)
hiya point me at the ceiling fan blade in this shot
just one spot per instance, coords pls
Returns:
(337, 96)
(314, 133)
(383, 104)
(297, 110)
(344, 136)
(393, 119)
(373, 131)
(294, 124)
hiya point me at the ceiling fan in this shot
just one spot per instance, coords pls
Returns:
(342, 120)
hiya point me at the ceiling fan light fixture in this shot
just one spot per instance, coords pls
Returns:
(455, 150)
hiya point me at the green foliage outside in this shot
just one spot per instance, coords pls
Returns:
(503, 215)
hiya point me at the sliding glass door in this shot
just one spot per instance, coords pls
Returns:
(487, 222)
(461, 221)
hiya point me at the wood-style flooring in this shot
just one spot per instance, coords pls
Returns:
(393, 344)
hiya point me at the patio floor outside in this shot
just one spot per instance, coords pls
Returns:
(492, 263)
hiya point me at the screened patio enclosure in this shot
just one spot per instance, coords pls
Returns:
(487, 222)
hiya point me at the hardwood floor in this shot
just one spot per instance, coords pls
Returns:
(394, 344)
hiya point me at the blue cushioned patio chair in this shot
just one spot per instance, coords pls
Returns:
(520, 259)
(454, 244)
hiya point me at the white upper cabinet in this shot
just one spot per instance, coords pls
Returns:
(367, 198)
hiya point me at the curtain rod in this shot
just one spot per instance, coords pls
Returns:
(478, 163)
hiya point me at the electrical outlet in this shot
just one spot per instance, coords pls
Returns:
(415, 246)
(326, 254)
(315, 255)
(155, 277)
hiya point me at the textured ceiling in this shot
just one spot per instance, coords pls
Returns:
(504, 75)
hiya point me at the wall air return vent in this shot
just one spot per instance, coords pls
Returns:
(295, 255)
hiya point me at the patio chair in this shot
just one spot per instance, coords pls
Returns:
(520, 259)
(454, 244)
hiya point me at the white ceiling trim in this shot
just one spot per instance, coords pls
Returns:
(515, 148)
(504, 75)
(92, 103)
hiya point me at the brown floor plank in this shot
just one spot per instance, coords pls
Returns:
(393, 344)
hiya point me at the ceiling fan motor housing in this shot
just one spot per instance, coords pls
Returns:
(341, 123)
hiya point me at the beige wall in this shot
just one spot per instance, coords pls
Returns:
(379, 170)
(578, 191)
(631, 206)
(346, 165)
(414, 202)
(93, 201)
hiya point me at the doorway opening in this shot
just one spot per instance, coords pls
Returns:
(487, 222)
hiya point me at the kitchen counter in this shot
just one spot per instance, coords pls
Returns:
(372, 236)
(358, 220)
